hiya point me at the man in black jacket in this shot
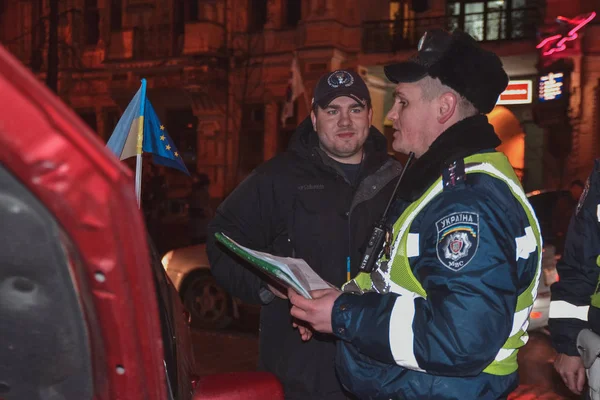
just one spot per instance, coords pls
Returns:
(317, 201)
(575, 305)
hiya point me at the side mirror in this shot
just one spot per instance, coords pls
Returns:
(239, 386)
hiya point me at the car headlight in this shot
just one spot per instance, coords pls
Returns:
(167, 259)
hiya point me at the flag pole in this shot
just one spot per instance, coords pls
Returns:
(140, 142)
(306, 102)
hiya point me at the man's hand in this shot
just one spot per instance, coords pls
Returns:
(571, 371)
(316, 312)
(305, 332)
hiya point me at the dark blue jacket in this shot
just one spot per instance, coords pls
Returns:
(458, 330)
(578, 272)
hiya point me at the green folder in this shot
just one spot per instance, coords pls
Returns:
(273, 268)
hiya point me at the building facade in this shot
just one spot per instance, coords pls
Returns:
(218, 70)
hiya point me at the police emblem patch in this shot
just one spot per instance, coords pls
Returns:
(421, 41)
(457, 239)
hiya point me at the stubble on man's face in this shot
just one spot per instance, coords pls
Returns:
(412, 120)
(343, 127)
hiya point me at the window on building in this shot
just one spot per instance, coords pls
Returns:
(252, 137)
(405, 28)
(38, 37)
(209, 10)
(293, 10)
(88, 116)
(191, 10)
(178, 19)
(490, 19)
(116, 15)
(91, 18)
(257, 15)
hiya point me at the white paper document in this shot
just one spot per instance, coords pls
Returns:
(292, 272)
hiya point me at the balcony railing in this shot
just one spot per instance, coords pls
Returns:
(141, 44)
(402, 34)
(203, 37)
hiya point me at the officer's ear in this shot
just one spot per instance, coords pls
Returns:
(447, 106)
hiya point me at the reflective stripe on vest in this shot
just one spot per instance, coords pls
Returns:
(595, 299)
(563, 309)
(400, 279)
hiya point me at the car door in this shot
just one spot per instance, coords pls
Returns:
(78, 308)
(86, 311)
(175, 328)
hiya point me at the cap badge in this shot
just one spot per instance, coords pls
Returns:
(340, 78)
(421, 41)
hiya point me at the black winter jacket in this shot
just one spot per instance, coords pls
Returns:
(299, 204)
(579, 271)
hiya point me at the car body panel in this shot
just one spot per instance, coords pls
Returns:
(180, 262)
(179, 357)
(52, 152)
(189, 262)
(54, 156)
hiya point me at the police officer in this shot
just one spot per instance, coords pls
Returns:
(446, 310)
(574, 308)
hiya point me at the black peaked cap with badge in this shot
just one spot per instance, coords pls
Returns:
(341, 83)
(459, 62)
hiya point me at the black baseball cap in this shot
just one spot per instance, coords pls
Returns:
(459, 62)
(341, 83)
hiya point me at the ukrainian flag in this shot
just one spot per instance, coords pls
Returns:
(139, 130)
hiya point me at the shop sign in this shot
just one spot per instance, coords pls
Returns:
(517, 92)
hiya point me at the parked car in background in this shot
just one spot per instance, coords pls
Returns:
(544, 204)
(86, 309)
(210, 306)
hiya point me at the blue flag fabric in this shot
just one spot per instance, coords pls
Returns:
(123, 141)
(158, 142)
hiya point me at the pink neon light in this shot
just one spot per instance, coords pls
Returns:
(572, 35)
(547, 40)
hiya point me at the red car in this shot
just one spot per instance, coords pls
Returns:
(86, 310)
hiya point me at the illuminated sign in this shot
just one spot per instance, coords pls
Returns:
(517, 92)
(558, 42)
(551, 86)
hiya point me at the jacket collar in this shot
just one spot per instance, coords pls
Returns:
(468, 136)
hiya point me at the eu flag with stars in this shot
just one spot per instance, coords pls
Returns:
(127, 140)
(158, 142)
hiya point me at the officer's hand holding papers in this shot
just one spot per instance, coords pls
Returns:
(294, 273)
